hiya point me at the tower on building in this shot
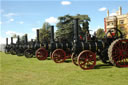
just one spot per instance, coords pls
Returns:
(107, 13)
(120, 10)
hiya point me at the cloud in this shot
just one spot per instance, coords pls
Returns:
(65, 2)
(113, 14)
(2, 40)
(0, 22)
(11, 33)
(32, 35)
(10, 14)
(11, 20)
(102, 9)
(51, 20)
(34, 29)
(21, 22)
(94, 29)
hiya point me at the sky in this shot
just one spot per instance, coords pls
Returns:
(25, 16)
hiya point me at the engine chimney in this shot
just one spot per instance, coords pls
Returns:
(31, 40)
(11, 40)
(37, 35)
(18, 39)
(76, 29)
(6, 41)
(52, 34)
(26, 38)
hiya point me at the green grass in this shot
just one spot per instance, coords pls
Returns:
(16, 70)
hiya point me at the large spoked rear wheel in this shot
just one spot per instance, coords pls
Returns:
(41, 54)
(59, 56)
(74, 59)
(86, 60)
(28, 53)
(118, 53)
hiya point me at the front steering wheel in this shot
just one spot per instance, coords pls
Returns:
(114, 33)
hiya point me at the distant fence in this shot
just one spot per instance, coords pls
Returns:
(2, 47)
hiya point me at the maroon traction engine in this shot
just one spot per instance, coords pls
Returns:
(112, 49)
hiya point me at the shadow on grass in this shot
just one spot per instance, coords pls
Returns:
(67, 61)
(49, 58)
(103, 66)
(20, 55)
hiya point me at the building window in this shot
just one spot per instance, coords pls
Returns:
(121, 21)
(112, 23)
(108, 23)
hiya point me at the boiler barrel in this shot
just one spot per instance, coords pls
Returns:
(93, 46)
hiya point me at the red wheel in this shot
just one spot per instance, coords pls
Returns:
(118, 53)
(74, 59)
(59, 55)
(41, 54)
(86, 60)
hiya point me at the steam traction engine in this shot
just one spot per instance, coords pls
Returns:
(21, 45)
(62, 51)
(32, 47)
(28, 53)
(46, 48)
(12, 47)
(112, 49)
(15, 47)
(57, 50)
(7, 47)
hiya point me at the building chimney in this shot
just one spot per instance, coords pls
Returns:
(107, 13)
(120, 10)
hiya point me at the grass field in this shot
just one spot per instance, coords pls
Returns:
(16, 70)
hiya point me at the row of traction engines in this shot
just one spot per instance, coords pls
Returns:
(112, 49)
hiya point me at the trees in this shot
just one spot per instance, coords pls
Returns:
(44, 35)
(100, 33)
(65, 26)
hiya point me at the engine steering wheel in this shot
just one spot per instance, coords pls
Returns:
(114, 33)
